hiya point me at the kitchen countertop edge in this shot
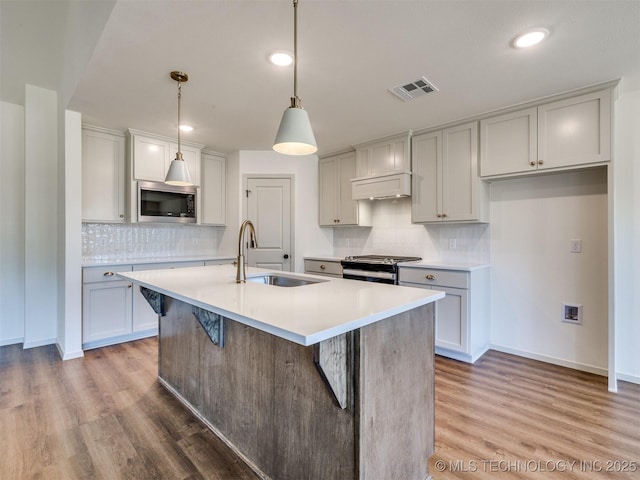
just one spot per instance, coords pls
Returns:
(280, 327)
(152, 260)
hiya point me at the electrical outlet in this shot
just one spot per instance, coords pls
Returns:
(575, 246)
(452, 244)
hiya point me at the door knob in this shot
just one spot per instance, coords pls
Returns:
(286, 255)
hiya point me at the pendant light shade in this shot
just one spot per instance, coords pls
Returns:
(178, 173)
(295, 135)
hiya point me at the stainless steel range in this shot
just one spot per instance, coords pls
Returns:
(374, 268)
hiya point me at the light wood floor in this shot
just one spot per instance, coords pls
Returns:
(106, 417)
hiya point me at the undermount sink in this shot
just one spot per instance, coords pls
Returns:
(281, 280)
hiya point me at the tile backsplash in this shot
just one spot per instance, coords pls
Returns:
(393, 233)
(109, 241)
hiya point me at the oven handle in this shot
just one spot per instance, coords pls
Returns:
(366, 273)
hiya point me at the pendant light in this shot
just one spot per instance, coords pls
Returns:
(178, 173)
(295, 136)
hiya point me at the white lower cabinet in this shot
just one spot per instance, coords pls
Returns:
(462, 317)
(114, 310)
(106, 305)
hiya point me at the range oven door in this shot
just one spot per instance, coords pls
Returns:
(368, 274)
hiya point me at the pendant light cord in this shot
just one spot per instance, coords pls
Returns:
(295, 101)
(179, 154)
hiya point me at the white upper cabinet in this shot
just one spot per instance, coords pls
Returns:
(336, 208)
(103, 175)
(576, 131)
(151, 156)
(446, 186)
(213, 192)
(387, 155)
(509, 143)
(558, 135)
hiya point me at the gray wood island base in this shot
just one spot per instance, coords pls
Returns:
(278, 403)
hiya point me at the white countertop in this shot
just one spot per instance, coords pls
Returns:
(141, 260)
(462, 266)
(306, 314)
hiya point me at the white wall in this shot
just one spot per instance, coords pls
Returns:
(69, 324)
(626, 182)
(310, 239)
(41, 216)
(533, 271)
(12, 224)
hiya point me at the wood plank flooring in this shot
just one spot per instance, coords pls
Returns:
(101, 417)
(511, 417)
(106, 417)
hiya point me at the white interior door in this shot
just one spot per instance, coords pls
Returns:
(268, 206)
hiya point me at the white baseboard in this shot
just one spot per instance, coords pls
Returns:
(69, 355)
(553, 360)
(628, 378)
(11, 341)
(39, 343)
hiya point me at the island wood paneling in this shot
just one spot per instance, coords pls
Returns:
(396, 397)
(262, 393)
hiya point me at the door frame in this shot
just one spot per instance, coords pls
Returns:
(292, 179)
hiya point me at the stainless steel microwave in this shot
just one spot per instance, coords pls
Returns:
(162, 203)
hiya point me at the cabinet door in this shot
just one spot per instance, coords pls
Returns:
(144, 317)
(347, 208)
(213, 194)
(460, 173)
(452, 319)
(575, 131)
(106, 310)
(328, 191)
(192, 157)
(427, 177)
(150, 158)
(103, 177)
(509, 143)
(389, 155)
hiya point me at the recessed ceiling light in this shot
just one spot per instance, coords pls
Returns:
(186, 128)
(530, 37)
(281, 58)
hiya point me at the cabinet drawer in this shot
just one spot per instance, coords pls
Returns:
(323, 268)
(103, 273)
(432, 276)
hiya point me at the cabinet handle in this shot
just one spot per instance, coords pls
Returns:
(444, 215)
(439, 215)
(108, 274)
(322, 267)
(431, 276)
(532, 163)
(122, 215)
(540, 162)
(130, 285)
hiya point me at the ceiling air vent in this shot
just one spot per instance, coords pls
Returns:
(414, 89)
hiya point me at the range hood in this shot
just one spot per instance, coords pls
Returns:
(391, 185)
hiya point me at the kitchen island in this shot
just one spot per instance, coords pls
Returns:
(330, 379)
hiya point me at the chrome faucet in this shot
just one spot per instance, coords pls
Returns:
(241, 272)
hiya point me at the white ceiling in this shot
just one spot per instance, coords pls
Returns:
(350, 53)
